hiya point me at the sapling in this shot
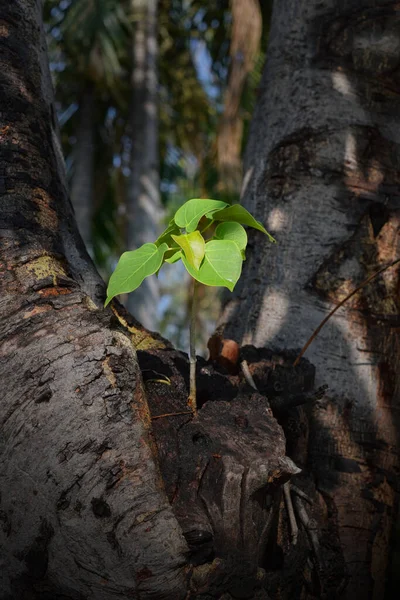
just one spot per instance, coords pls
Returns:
(209, 237)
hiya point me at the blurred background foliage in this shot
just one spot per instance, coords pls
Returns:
(209, 62)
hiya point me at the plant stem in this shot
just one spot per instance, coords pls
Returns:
(357, 289)
(192, 349)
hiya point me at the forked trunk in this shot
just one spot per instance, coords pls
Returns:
(322, 173)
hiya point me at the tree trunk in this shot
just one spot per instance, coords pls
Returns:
(322, 172)
(85, 513)
(82, 181)
(245, 41)
(144, 206)
(79, 476)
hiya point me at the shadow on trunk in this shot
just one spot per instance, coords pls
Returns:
(328, 189)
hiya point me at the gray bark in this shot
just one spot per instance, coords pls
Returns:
(83, 177)
(83, 510)
(322, 173)
(143, 198)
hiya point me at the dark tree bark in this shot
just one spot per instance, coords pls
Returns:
(97, 501)
(322, 172)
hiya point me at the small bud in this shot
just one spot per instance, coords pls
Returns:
(225, 353)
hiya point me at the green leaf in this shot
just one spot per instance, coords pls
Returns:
(191, 212)
(239, 214)
(172, 256)
(193, 245)
(232, 231)
(165, 237)
(133, 267)
(222, 264)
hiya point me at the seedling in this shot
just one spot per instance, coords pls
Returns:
(214, 260)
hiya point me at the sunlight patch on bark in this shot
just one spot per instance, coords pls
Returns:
(276, 304)
(354, 334)
(342, 84)
(350, 154)
(360, 178)
(246, 180)
(277, 220)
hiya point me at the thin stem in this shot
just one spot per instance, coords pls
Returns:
(192, 349)
(175, 414)
(207, 227)
(357, 289)
(289, 507)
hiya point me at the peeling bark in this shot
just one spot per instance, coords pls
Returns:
(321, 172)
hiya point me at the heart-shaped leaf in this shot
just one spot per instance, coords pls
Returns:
(232, 231)
(133, 267)
(238, 213)
(222, 264)
(191, 212)
(193, 245)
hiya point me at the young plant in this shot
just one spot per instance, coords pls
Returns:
(214, 260)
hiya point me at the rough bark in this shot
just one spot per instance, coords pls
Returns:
(84, 511)
(224, 470)
(83, 177)
(143, 197)
(245, 41)
(322, 172)
(79, 479)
